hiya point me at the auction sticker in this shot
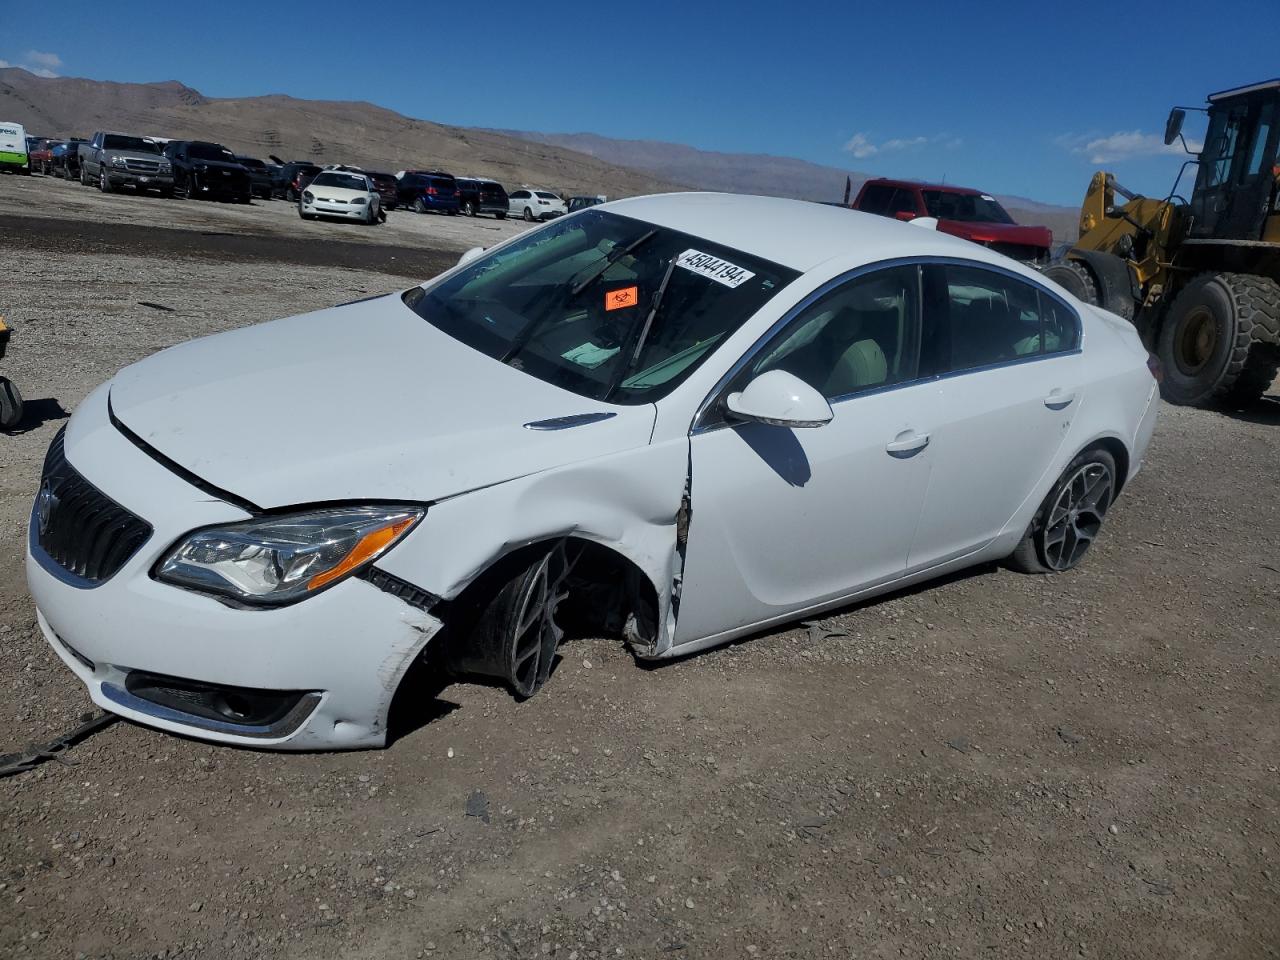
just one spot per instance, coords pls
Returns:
(626, 297)
(713, 268)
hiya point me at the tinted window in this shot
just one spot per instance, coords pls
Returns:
(605, 306)
(984, 317)
(965, 207)
(135, 144)
(520, 195)
(904, 201)
(876, 198)
(860, 336)
(547, 196)
(210, 151)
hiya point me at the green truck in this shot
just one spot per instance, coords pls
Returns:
(13, 148)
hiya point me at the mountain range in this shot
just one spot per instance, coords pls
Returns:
(365, 134)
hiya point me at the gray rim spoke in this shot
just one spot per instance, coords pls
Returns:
(1076, 516)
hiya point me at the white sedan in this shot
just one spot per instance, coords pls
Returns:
(675, 420)
(534, 204)
(341, 193)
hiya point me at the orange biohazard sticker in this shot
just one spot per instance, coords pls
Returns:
(617, 299)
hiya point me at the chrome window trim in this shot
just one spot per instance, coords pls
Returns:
(701, 425)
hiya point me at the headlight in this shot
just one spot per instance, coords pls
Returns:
(277, 560)
(359, 200)
(118, 162)
(165, 167)
(308, 196)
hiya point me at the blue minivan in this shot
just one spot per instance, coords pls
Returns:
(424, 190)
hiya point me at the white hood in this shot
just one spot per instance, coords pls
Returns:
(362, 402)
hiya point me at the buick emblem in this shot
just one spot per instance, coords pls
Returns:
(45, 503)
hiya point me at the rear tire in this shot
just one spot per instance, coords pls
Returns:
(500, 215)
(1215, 342)
(1075, 278)
(10, 404)
(1071, 516)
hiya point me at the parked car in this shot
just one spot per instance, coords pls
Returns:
(582, 202)
(428, 190)
(961, 212)
(260, 176)
(535, 204)
(13, 147)
(203, 170)
(65, 158)
(341, 193)
(113, 160)
(478, 195)
(40, 155)
(388, 187)
(292, 177)
(678, 419)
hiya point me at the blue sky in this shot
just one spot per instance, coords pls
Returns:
(1017, 98)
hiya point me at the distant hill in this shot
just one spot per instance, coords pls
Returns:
(316, 130)
(325, 131)
(761, 173)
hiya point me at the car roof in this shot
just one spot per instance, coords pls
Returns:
(925, 185)
(798, 233)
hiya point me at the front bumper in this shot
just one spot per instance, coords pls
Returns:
(350, 211)
(332, 663)
(118, 177)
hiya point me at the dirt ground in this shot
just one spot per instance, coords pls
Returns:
(1083, 765)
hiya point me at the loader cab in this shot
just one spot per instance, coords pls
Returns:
(1235, 190)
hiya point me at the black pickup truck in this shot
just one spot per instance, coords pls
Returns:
(207, 170)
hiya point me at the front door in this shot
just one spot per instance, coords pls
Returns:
(781, 518)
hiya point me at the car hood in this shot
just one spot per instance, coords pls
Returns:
(361, 402)
(997, 232)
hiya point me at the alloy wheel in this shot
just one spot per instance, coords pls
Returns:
(1076, 516)
(535, 633)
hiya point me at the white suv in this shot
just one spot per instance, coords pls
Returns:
(534, 204)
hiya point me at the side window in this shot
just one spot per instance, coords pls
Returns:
(982, 317)
(1258, 152)
(876, 199)
(1059, 325)
(1224, 141)
(861, 336)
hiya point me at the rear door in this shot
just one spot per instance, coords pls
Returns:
(1011, 379)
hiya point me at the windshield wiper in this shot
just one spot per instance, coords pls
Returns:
(644, 332)
(609, 259)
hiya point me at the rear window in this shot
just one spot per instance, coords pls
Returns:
(136, 144)
(210, 151)
(441, 184)
(547, 196)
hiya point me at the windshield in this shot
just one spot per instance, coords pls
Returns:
(210, 151)
(346, 181)
(966, 207)
(544, 304)
(136, 144)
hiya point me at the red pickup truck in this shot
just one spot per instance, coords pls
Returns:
(959, 211)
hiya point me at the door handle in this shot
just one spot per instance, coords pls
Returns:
(1057, 400)
(907, 444)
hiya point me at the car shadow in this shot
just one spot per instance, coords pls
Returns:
(957, 576)
(417, 701)
(36, 413)
(779, 448)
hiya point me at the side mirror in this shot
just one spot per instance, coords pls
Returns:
(780, 399)
(905, 215)
(470, 255)
(1173, 126)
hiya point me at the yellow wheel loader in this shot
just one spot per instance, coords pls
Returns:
(1200, 279)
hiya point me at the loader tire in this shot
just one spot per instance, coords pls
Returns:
(1075, 278)
(1217, 339)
